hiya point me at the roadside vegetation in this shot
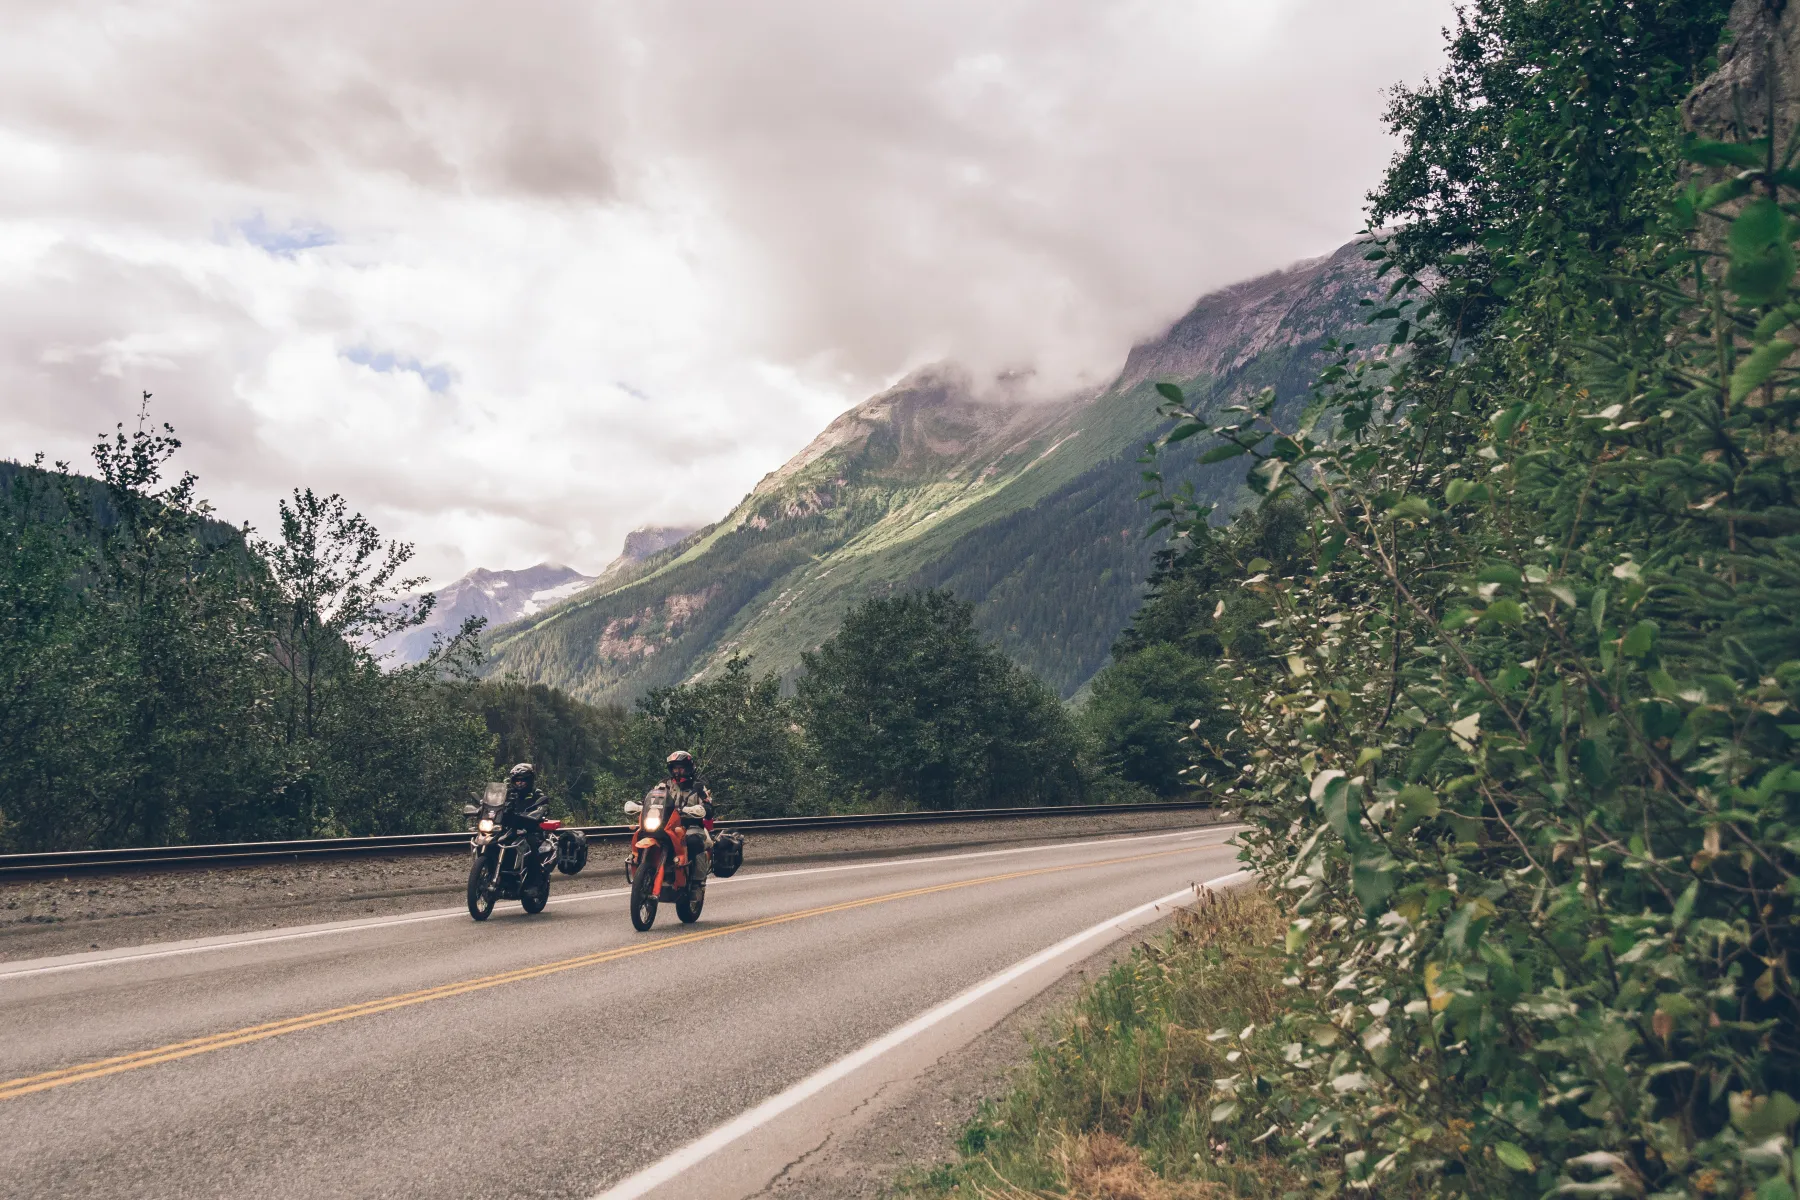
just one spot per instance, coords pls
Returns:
(1513, 720)
(905, 707)
(167, 678)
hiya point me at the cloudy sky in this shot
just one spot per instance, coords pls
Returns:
(516, 278)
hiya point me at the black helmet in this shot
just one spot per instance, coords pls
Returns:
(523, 775)
(681, 758)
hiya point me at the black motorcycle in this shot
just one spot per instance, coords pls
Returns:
(505, 864)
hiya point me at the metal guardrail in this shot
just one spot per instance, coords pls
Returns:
(62, 861)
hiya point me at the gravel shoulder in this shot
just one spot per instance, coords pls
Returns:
(105, 910)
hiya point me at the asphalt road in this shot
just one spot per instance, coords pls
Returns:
(555, 1055)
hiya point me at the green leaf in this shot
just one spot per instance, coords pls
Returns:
(1514, 1156)
(1776, 321)
(1637, 643)
(1762, 260)
(1343, 812)
(1758, 366)
(1684, 905)
(1412, 508)
(1762, 1117)
(1597, 606)
(1728, 154)
(1504, 612)
(1373, 882)
(1182, 433)
(1170, 392)
(1500, 573)
(1592, 758)
(1507, 420)
(1265, 477)
(1416, 803)
(1757, 227)
(1222, 452)
(1722, 192)
(1257, 566)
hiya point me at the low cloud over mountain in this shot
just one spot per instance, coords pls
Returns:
(519, 278)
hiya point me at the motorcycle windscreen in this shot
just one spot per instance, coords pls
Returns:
(495, 796)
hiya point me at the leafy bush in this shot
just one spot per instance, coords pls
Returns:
(1526, 740)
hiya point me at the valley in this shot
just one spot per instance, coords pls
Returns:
(1026, 508)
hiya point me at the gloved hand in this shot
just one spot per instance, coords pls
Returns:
(696, 811)
(633, 808)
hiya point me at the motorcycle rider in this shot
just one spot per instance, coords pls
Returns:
(684, 791)
(526, 806)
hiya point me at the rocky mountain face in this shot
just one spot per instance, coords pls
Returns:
(642, 543)
(506, 596)
(500, 596)
(1026, 508)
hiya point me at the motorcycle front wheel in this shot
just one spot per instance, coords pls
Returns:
(481, 901)
(535, 895)
(689, 904)
(643, 893)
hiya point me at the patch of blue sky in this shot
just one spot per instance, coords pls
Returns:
(285, 242)
(437, 376)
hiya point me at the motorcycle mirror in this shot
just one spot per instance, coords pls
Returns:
(470, 810)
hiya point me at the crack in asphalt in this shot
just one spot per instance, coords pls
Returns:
(831, 1132)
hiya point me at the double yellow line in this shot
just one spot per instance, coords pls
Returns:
(99, 1068)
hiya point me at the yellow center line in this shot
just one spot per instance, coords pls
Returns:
(28, 1084)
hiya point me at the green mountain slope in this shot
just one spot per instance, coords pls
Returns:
(1027, 509)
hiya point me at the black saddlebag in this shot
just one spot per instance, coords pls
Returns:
(727, 854)
(571, 851)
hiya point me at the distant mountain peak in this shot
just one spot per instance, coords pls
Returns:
(642, 543)
(500, 596)
(1028, 508)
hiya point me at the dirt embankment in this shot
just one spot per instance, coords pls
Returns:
(98, 911)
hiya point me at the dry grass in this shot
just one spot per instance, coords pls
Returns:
(1116, 1106)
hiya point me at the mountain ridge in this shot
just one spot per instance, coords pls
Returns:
(1028, 508)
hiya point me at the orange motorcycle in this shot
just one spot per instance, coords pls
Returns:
(658, 867)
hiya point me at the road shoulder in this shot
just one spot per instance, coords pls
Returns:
(914, 1125)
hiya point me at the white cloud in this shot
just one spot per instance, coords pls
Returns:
(518, 278)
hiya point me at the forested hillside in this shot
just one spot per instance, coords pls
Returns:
(168, 678)
(1026, 508)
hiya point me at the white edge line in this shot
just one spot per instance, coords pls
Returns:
(238, 941)
(661, 1172)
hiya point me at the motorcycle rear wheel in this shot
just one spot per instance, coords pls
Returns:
(643, 894)
(689, 904)
(481, 901)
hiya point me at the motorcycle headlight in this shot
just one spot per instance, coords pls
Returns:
(653, 820)
(485, 825)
